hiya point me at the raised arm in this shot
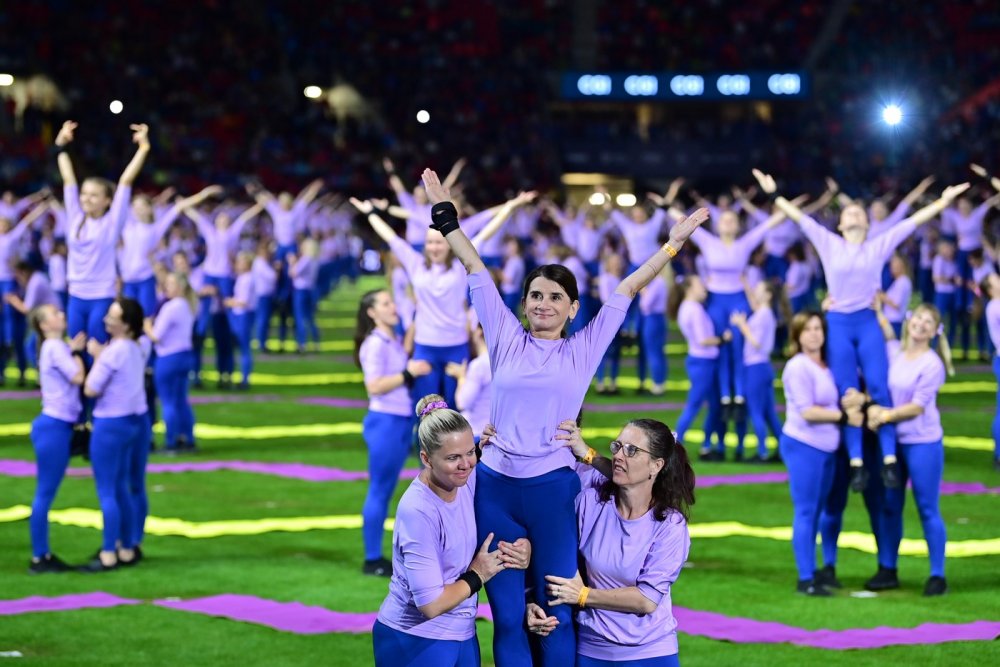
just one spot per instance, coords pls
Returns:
(444, 218)
(824, 199)
(164, 197)
(500, 217)
(240, 222)
(916, 193)
(932, 210)
(309, 192)
(24, 223)
(769, 187)
(140, 137)
(380, 226)
(679, 233)
(395, 182)
(63, 139)
(456, 171)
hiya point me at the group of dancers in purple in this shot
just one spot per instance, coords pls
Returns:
(587, 579)
(860, 387)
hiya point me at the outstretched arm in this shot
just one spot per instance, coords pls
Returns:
(309, 192)
(824, 199)
(24, 223)
(140, 136)
(769, 187)
(460, 244)
(63, 139)
(380, 226)
(456, 171)
(916, 193)
(500, 217)
(395, 182)
(679, 233)
(932, 210)
(246, 216)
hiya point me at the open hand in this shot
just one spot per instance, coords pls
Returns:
(65, 135)
(436, 191)
(563, 591)
(683, 230)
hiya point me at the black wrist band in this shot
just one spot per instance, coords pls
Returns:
(843, 418)
(444, 217)
(474, 580)
(55, 150)
(407, 378)
(78, 353)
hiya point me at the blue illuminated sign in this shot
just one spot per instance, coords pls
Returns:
(684, 85)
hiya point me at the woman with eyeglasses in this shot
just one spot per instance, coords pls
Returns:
(539, 377)
(634, 540)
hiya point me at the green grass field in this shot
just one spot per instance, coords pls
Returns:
(750, 577)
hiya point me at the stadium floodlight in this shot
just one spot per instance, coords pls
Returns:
(313, 92)
(423, 116)
(6, 79)
(116, 106)
(892, 115)
(625, 199)
(596, 199)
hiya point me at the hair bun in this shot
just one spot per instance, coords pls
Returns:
(429, 404)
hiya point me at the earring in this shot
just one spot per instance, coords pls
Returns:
(651, 475)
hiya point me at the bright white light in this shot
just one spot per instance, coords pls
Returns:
(784, 84)
(116, 106)
(596, 199)
(594, 84)
(6, 79)
(423, 116)
(733, 84)
(642, 86)
(690, 84)
(892, 115)
(313, 92)
(626, 199)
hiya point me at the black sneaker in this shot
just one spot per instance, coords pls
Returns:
(935, 586)
(642, 391)
(137, 551)
(739, 411)
(726, 410)
(95, 566)
(884, 580)
(706, 455)
(827, 577)
(890, 475)
(50, 564)
(812, 589)
(996, 465)
(380, 567)
(859, 479)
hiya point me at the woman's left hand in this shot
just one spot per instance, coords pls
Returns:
(436, 191)
(573, 438)
(563, 591)
(515, 555)
(683, 230)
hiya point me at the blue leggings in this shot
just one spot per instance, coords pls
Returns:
(388, 439)
(401, 649)
(242, 327)
(760, 403)
(111, 443)
(143, 291)
(832, 518)
(51, 438)
(436, 382)
(923, 464)
(996, 416)
(171, 378)
(776, 266)
(224, 360)
(262, 323)
(704, 377)
(135, 471)
(659, 661)
(810, 474)
(510, 509)
(653, 358)
(855, 340)
(513, 302)
(87, 315)
(13, 327)
(947, 304)
(720, 306)
(304, 311)
(610, 363)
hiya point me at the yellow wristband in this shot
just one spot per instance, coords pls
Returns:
(669, 249)
(588, 458)
(582, 600)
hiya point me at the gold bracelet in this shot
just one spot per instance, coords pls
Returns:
(582, 600)
(588, 458)
(669, 249)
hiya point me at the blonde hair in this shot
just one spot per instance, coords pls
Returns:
(310, 248)
(437, 420)
(186, 291)
(943, 348)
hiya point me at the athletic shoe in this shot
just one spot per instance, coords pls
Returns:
(859, 479)
(50, 564)
(614, 391)
(885, 579)
(642, 391)
(380, 567)
(739, 411)
(135, 559)
(706, 456)
(726, 411)
(996, 465)
(890, 475)
(827, 577)
(935, 586)
(812, 589)
(95, 566)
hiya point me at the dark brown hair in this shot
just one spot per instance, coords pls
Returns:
(365, 324)
(798, 325)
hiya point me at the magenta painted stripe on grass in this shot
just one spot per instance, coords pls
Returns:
(62, 603)
(330, 402)
(734, 480)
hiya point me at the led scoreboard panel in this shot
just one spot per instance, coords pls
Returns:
(684, 86)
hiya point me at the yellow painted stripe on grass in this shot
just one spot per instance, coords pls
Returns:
(275, 380)
(292, 346)
(220, 432)
(90, 518)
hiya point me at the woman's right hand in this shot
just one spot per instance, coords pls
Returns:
(418, 367)
(364, 207)
(573, 438)
(766, 182)
(487, 563)
(456, 370)
(65, 135)
(436, 191)
(79, 342)
(538, 623)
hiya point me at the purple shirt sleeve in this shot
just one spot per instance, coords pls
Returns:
(373, 358)
(104, 369)
(407, 256)
(499, 324)
(423, 570)
(62, 360)
(666, 557)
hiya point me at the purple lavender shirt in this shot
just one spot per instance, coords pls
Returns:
(620, 553)
(286, 222)
(56, 367)
(91, 243)
(440, 295)
(433, 542)
(968, 229)
(219, 244)
(474, 395)
(39, 292)
(380, 356)
(138, 242)
(899, 292)
(653, 298)
(879, 227)
(641, 239)
(762, 325)
(946, 269)
(725, 262)
(9, 250)
(916, 381)
(853, 271)
(243, 291)
(57, 272)
(798, 279)
(405, 307)
(993, 322)
(808, 384)
(419, 221)
(513, 275)
(118, 376)
(304, 273)
(265, 278)
(696, 325)
(537, 383)
(173, 327)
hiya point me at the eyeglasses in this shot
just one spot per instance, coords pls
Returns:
(630, 450)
